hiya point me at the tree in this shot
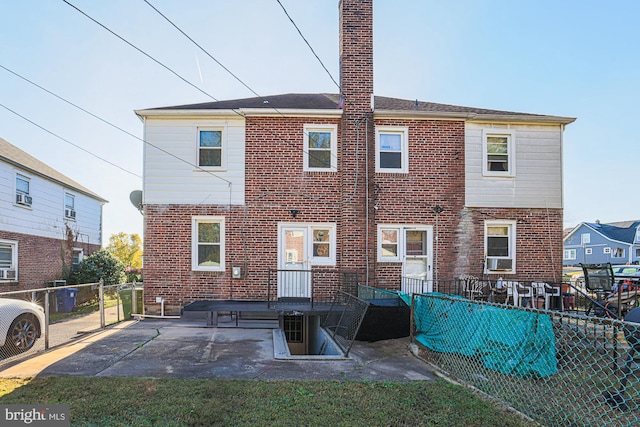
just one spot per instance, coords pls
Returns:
(101, 264)
(127, 248)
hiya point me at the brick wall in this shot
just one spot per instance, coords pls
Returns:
(40, 260)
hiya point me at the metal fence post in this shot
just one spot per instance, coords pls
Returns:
(101, 303)
(47, 319)
(134, 300)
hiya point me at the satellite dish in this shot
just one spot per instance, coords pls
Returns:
(136, 199)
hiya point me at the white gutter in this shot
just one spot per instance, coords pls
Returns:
(242, 112)
(446, 115)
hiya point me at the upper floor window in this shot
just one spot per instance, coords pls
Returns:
(498, 149)
(23, 190)
(392, 149)
(585, 238)
(8, 260)
(69, 206)
(320, 148)
(207, 243)
(211, 146)
(500, 246)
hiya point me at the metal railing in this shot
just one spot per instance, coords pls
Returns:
(557, 368)
(344, 318)
(309, 287)
(39, 319)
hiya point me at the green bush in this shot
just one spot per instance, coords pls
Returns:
(100, 265)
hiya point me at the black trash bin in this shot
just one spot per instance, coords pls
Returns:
(66, 299)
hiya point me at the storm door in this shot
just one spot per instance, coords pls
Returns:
(417, 257)
(294, 275)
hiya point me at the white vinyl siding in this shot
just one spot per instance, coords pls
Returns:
(537, 182)
(170, 163)
(45, 217)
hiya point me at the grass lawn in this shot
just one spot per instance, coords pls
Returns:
(113, 401)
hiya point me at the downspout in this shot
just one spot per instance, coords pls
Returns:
(366, 183)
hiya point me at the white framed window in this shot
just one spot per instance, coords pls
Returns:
(618, 253)
(498, 152)
(69, 206)
(500, 246)
(211, 145)
(322, 244)
(637, 252)
(207, 243)
(606, 250)
(585, 238)
(23, 191)
(569, 254)
(8, 260)
(389, 243)
(78, 256)
(637, 238)
(392, 149)
(320, 148)
(588, 251)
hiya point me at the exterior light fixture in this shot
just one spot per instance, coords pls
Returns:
(294, 212)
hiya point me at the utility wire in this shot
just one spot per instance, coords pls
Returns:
(103, 121)
(143, 52)
(236, 111)
(312, 51)
(67, 141)
(231, 73)
(202, 49)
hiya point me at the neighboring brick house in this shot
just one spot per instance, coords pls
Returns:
(48, 222)
(596, 243)
(389, 187)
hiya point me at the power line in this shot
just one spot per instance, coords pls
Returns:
(305, 40)
(143, 52)
(67, 141)
(231, 73)
(103, 121)
(202, 49)
(236, 111)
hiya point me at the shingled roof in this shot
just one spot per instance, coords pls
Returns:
(613, 231)
(382, 105)
(20, 159)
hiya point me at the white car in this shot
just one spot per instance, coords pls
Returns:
(21, 324)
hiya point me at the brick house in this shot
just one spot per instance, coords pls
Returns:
(48, 222)
(391, 188)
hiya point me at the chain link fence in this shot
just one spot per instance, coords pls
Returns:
(39, 319)
(557, 368)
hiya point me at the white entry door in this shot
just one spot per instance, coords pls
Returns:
(417, 259)
(294, 277)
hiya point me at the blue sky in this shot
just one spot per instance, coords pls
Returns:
(571, 58)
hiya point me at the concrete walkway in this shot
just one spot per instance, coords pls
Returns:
(177, 349)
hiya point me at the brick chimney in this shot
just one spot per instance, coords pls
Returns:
(356, 53)
(357, 231)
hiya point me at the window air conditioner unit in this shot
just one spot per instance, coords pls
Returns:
(69, 213)
(23, 199)
(7, 274)
(499, 264)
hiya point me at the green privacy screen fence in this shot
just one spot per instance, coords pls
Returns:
(558, 369)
